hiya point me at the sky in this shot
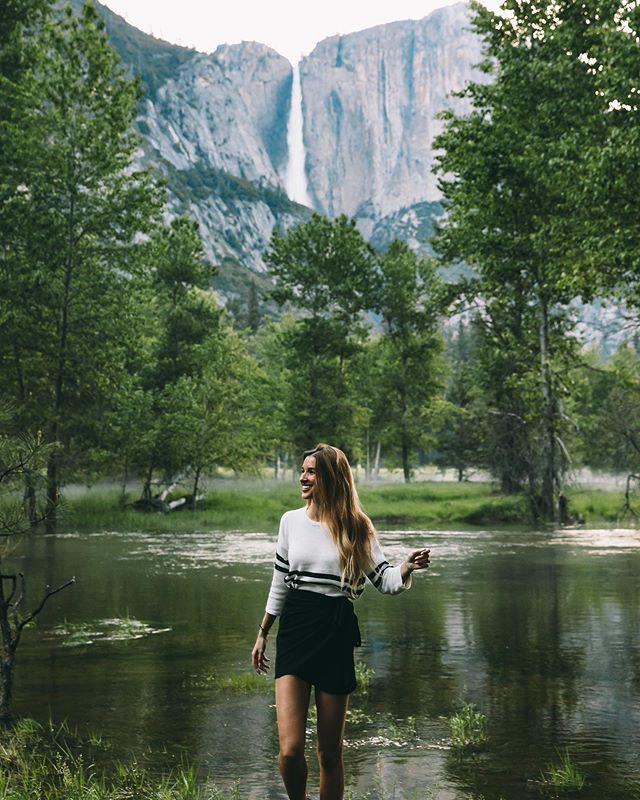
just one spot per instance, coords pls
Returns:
(292, 27)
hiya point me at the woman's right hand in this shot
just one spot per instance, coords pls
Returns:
(258, 655)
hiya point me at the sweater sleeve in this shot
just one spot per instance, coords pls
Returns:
(386, 578)
(279, 589)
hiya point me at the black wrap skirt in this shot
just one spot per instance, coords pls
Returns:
(315, 641)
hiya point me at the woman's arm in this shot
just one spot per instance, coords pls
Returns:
(258, 655)
(389, 579)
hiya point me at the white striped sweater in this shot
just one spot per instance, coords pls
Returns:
(307, 558)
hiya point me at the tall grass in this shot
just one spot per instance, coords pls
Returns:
(563, 774)
(38, 763)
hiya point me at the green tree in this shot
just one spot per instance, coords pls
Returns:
(462, 439)
(70, 265)
(408, 300)
(509, 174)
(229, 421)
(183, 323)
(325, 271)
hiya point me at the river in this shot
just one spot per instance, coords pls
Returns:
(541, 631)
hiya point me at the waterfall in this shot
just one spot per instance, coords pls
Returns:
(296, 178)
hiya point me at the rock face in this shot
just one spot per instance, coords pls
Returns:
(370, 101)
(227, 110)
(216, 126)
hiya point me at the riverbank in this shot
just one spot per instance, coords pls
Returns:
(258, 505)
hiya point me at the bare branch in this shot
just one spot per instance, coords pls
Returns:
(49, 593)
(627, 508)
(11, 578)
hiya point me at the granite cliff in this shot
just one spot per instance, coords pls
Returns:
(370, 102)
(216, 126)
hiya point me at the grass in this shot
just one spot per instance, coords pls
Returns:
(468, 728)
(52, 763)
(563, 775)
(236, 683)
(258, 505)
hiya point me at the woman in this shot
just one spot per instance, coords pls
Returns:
(323, 554)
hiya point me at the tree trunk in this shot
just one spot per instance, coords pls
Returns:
(53, 467)
(146, 487)
(29, 499)
(196, 481)
(367, 449)
(7, 658)
(53, 493)
(376, 462)
(547, 501)
(406, 466)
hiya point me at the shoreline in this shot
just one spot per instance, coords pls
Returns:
(245, 506)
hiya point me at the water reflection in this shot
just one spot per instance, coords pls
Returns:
(541, 631)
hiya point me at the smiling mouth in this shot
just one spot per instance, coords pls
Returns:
(305, 486)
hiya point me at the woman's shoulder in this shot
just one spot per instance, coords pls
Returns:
(293, 515)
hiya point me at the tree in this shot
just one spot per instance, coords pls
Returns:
(408, 301)
(325, 271)
(69, 266)
(184, 321)
(461, 442)
(20, 454)
(508, 175)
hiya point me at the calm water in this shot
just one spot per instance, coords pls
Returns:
(541, 631)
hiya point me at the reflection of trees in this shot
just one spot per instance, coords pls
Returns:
(519, 617)
(405, 641)
(558, 633)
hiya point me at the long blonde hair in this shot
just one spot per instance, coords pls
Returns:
(338, 506)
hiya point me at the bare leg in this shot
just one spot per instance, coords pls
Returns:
(332, 711)
(292, 706)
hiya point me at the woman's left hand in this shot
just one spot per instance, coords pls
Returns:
(419, 559)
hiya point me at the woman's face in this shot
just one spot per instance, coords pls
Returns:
(308, 477)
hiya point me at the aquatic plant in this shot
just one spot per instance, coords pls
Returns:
(236, 682)
(563, 775)
(116, 629)
(468, 728)
(364, 676)
(51, 763)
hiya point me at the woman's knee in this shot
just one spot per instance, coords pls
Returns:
(291, 752)
(330, 758)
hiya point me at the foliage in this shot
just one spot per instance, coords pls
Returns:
(608, 410)
(325, 270)
(53, 763)
(21, 457)
(461, 440)
(468, 728)
(73, 213)
(409, 368)
(364, 677)
(563, 775)
(509, 172)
